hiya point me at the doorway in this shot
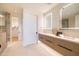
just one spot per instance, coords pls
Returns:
(14, 26)
(14, 29)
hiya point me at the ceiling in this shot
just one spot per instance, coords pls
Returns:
(37, 7)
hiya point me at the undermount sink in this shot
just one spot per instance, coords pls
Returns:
(76, 38)
(60, 34)
(70, 38)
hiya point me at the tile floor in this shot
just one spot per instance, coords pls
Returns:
(40, 49)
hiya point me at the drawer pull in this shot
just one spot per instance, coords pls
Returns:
(0, 45)
(64, 47)
(49, 41)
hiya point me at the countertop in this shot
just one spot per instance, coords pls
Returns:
(74, 40)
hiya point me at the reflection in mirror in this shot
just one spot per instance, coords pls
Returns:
(70, 16)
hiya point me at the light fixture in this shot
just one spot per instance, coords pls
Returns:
(67, 5)
(48, 3)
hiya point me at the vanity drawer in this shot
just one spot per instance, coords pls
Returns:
(64, 50)
(69, 45)
(47, 40)
(44, 37)
(65, 47)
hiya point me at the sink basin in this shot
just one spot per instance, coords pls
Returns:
(70, 38)
(67, 37)
(77, 39)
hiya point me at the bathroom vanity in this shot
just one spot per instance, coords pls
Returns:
(65, 45)
(3, 43)
(4, 30)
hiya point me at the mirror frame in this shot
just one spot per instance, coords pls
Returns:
(61, 10)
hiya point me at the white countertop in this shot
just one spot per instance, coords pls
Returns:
(75, 40)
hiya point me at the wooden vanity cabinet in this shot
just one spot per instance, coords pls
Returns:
(47, 40)
(64, 47)
(3, 43)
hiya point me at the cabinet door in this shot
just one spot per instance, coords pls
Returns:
(3, 42)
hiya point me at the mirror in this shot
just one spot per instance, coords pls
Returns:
(70, 16)
(2, 20)
(48, 21)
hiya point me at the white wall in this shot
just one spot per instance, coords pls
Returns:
(40, 22)
(77, 21)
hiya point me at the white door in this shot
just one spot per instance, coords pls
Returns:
(29, 29)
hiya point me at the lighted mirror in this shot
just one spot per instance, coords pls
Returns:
(48, 21)
(70, 16)
(2, 20)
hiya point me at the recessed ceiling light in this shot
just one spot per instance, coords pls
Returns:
(49, 3)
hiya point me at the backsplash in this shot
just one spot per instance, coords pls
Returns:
(46, 30)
